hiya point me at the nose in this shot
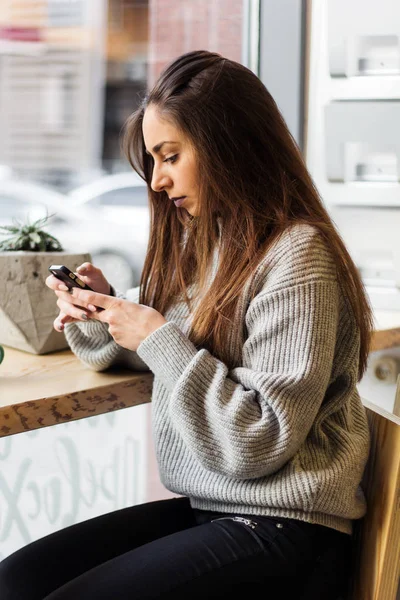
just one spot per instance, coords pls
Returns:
(159, 180)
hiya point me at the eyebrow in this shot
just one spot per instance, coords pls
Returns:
(157, 147)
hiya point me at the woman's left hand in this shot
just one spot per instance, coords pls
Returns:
(129, 323)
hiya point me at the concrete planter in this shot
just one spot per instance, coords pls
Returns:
(27, 306)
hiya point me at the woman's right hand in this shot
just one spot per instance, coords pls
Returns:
(69, 312)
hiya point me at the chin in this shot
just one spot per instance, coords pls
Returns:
(193, 212)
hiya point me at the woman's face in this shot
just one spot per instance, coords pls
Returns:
(175, 164)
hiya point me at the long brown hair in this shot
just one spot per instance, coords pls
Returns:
(252, 178)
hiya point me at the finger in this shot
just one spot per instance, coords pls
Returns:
(58, 325)
(94, 298)
(67, 297)
(87, 269)
(86, 266)
(55, 284)
(94, 278)
(99, 315)
(71, 310)
(61, 321)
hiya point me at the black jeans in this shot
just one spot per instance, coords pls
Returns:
(166, 549)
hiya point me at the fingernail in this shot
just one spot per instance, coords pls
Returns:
(92, 308)
(60, 327)
(84, 316)
(63, 288)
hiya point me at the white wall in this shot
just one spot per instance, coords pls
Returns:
(56, 476)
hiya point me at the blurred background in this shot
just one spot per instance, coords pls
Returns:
(72, 71)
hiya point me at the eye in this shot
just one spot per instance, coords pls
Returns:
(171, 159)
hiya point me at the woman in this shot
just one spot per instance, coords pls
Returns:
(254, 321)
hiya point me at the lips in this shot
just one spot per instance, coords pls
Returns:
(178, 201)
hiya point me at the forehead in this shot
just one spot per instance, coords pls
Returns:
(157, 128)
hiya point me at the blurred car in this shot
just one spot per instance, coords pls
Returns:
(108, 217)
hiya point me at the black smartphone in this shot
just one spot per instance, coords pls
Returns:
(68, 277)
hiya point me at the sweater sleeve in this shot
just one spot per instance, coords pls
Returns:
(248, 422)
(95, 347)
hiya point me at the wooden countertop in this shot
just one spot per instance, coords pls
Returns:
(385, 338)
(41, 390)
(387, 330)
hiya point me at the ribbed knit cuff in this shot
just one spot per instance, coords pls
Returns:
(167, 352)
(90, 328)
(92, 343)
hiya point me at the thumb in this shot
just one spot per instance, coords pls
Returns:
(93, 277)
(87, 269)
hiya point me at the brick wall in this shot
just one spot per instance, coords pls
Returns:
(129, 37)
(179, 26)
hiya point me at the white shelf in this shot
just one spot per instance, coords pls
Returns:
(383, 87)
(323, 89)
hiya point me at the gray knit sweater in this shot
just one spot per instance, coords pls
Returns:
(284, 432)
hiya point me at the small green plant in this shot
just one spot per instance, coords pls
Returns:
(29, 236)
